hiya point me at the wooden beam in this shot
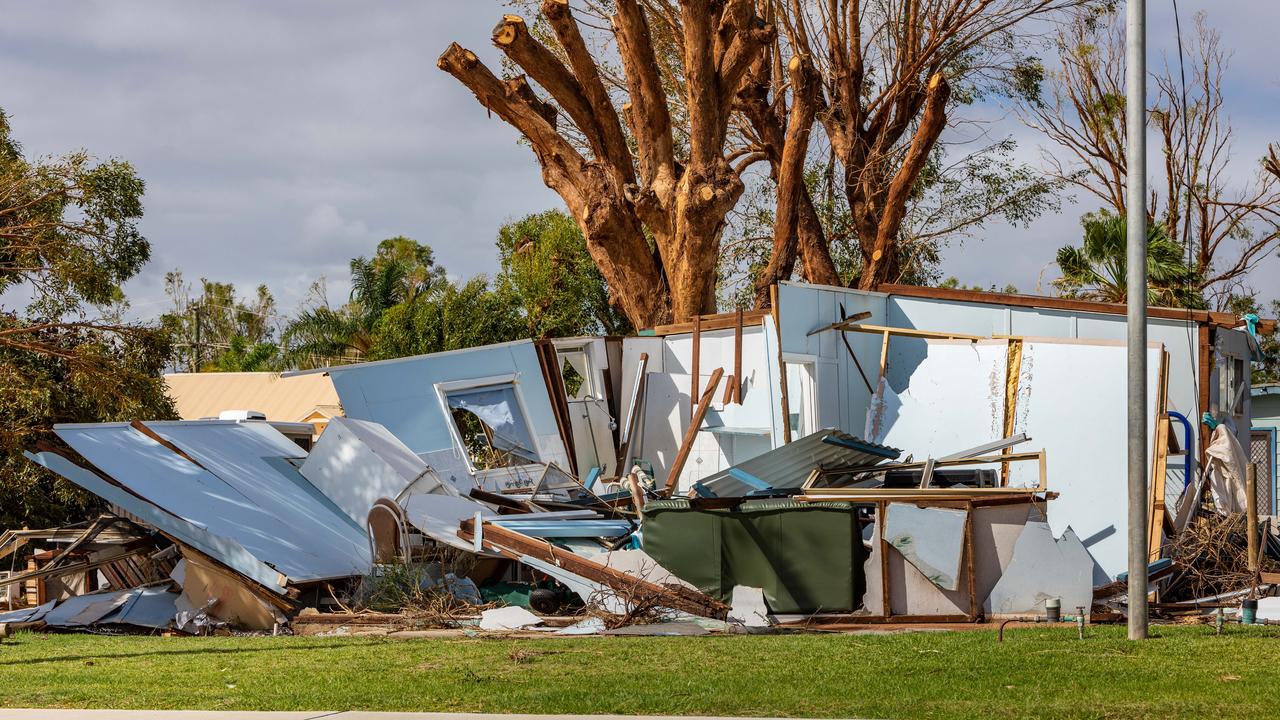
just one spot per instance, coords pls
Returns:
(911, 332)
(782, 365)
(514, 545)
(737, 358)
(1217, 319)
(719, 321)
(686, 445)
(694, 380)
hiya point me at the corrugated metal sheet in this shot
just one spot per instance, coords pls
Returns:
(789, 466)
(284, 399)
(244, 490)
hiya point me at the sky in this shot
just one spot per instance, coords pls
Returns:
(278, 140)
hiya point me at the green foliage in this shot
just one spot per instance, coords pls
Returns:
(68, 228)
(400, 271)
(954, 283)
(228, 331)
(451, 317)
(1097, 269)
(69, 239)
(546, 269)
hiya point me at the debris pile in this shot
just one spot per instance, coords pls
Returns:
(796, 467)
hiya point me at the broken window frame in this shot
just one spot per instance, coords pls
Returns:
(494, 382)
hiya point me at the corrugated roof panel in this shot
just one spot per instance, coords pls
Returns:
(789, 466)
(246, 491)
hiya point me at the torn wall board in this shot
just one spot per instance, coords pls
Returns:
(1071, 399)
(222, 548)
(243, 489)
(1043, 568)
(910, 591)
(940, 396)
(414, 399)
(356, 462)
(223, 595)
(932, 539)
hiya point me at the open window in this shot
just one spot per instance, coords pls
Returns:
(490, 423)
(576, 372)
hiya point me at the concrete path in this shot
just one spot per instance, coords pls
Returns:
(318, 715)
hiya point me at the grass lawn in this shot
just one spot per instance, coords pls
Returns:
(1182, 672)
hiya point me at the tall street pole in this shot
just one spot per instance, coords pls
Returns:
(1136, 295)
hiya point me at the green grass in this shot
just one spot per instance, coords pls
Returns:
(1182, 672)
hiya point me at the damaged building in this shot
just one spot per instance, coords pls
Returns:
(909, 455)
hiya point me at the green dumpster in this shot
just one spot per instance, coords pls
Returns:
(806, 556)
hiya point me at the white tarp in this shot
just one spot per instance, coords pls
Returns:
(1226, 469)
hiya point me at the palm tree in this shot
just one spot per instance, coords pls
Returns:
(1097, 270)
(322, 335)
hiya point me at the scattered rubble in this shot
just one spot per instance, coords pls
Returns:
(695, 478)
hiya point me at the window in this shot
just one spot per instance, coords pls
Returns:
(575, 370)
(491, 425)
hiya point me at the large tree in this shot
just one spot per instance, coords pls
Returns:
(218, 329)
(681, 181)
(657, 149)
(68, 241)
(1224, 223)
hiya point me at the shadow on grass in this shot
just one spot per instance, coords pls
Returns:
(310, 647)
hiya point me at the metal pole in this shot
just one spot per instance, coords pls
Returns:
(1136, 296)
(1251, 521)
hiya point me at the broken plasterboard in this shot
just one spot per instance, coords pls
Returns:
(1043, 568)
(930, 538)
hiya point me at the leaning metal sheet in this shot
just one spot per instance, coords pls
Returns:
(224, 506)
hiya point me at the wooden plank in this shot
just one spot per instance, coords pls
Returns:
(686, 445)
(974, 610)
(911, 332)
(694, 380)
(513, 544)
(841, 324)
(1219, 319)
(737, 358)
(1013, 375)
(633, 415)
(782, 366)
(882, 515)
(718, 321)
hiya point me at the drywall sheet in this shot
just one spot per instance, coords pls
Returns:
(356, 462)
(910, 591)
(996, 530)
(931, 539)
(224, 548)
(1043, 568)
(940, 396)
(222, 595)
(1071, 402)
(242, 489)
(402, 396)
